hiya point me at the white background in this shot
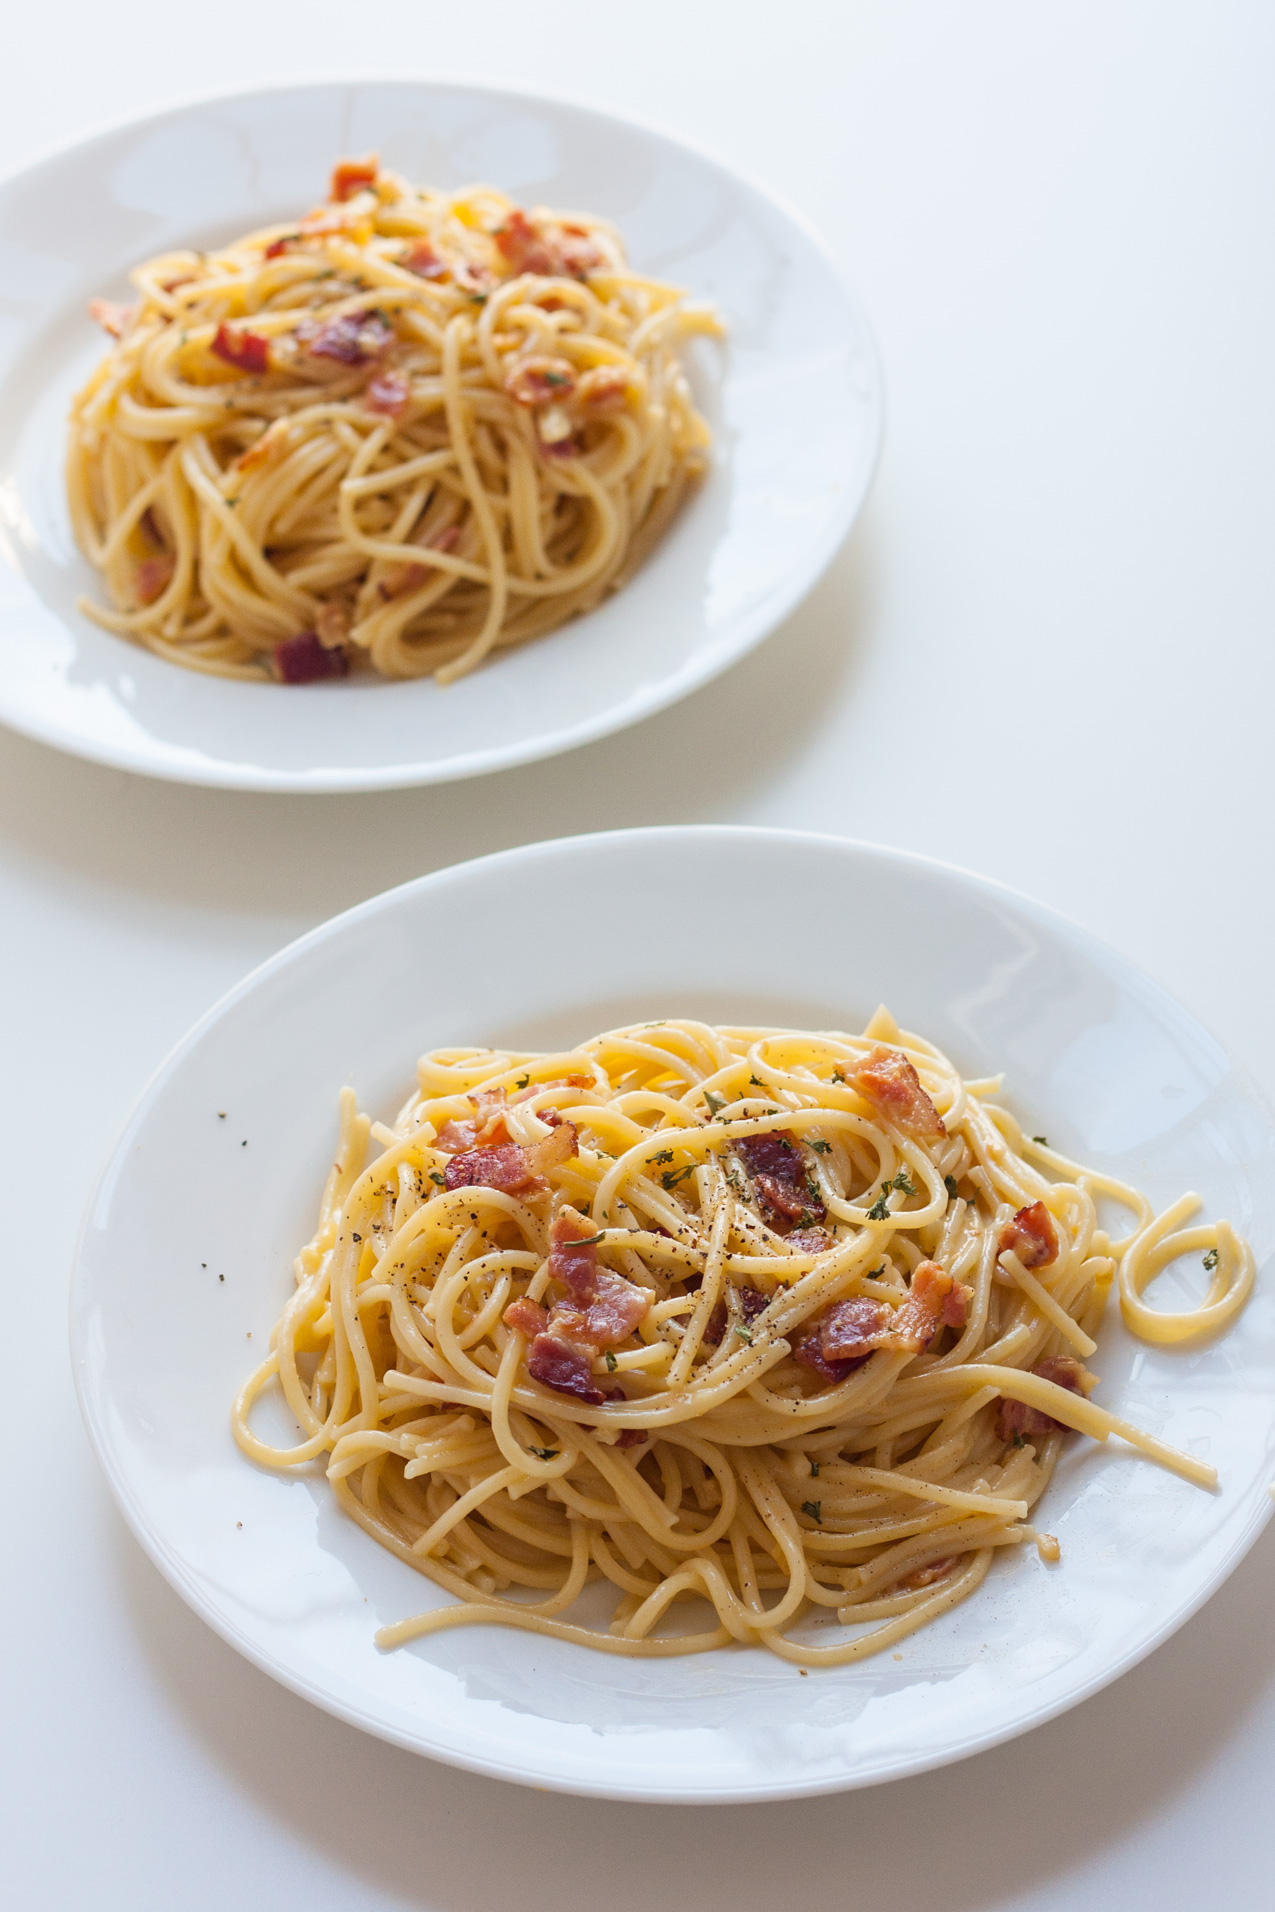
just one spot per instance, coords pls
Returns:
(1046, 654)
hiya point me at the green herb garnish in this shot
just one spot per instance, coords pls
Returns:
(1042, 1139)
(1210, 1260)
(814, 1469)
(745, 1334)
(821, 1148)
(949, 1183)
(880, 1209)
(814, 1508)
(545, 1453)
(715, 1102)
(612, 1363)
(434, 1176)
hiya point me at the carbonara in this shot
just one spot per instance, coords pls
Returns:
(406, 431)
(745, 1322)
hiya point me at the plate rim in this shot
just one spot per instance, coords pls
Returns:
(187, 1586)
(672, 689)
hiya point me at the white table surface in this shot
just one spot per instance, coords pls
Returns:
(1059, 603)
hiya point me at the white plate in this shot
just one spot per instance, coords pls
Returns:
(730, 925)
(794, 400)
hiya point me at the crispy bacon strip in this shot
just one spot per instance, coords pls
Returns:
(527, 1316)
(1030, 1234)
(112, 316)
(927, 1575)
(752, 1302)
(555, 1364)
(779, 1172)
(154, 576)
(851, 1328)
(304, 660)
(352, 176)
(924, 1312)
(887, 1080)
(1017, 1421)
(424, 261)
(351, 339)
(388, 393)
(512, 1166)
(540, 380)
(246, 351)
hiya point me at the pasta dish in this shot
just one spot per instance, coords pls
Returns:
(731, 1324)
(406, 431)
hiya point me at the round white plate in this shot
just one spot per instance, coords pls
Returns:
(793, 398)
(730, 925)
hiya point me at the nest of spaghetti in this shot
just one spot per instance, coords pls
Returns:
(410, 430)
(751, 1328)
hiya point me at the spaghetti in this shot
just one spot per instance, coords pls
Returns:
(409, 430)
(771, 1320)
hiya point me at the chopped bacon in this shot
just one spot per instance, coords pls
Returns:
(808, 1353)
(278, 247)
(927, 1575)
(604, 389)
(527, 1316)
(776, 1166)
(111, 316)
(631, 1437)
(602, 1308)
(304, 660)
(851, 1328)
(573, 1255)
(568, 447)
(527, 246)
(423, 261)
(1030, 1235)
(351, 339)
(246, 351)
(887, 1080)
(810, 1241)
(352, 176)
(1016, 1420)
(752, 1302)
(557, 1365)
(540, 380)
(923, 1313)
(956, 1308)
(522, 244)
(511, 1166)
(153, 577)
(388, 392)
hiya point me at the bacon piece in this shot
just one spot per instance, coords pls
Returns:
(246, 351)
(1016, 1420)
(568, 447)
(557, 1365)
(154, 576)
(278, 247)
(887, 1080)
(522, 244)
(631, 1437)
(776, 1166)
(528, 246)
(573, 1255)
(752, 1302)
(304, 660)
(603, 1308)
(527, 1316)
(956, 1308)
(389, 393)
(808, 1353)
(810, 1241)
(511, 1166)
(927, 1575)
(540, 380)
(424, 261)
(1030, 1235)
(851, 1328)
(112, 316)
(352, 176)
(922, 1315)
(351, 339)
(603, 390)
